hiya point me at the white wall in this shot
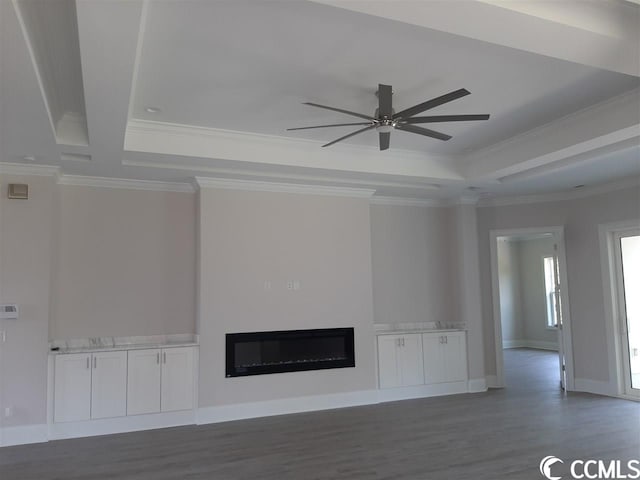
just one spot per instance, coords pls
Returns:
(125, 263)
(25, 259)
(412, 274)
(580, 218)
(249, 238)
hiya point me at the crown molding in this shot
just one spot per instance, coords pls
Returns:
(562, 196)
(283, 177)
(24, 169)
(258, 186)
(406, 201)
(125, 183)
(465, 200)
(625, 98)
(243, 148)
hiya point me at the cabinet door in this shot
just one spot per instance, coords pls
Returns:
(177, 379)
(434, 368)
(109, 385)
(455, 357)
(410, 360)
(388, 373)
(72, 387)
(143, 381)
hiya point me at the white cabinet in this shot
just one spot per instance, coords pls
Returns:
(445, 357)
(109, 384)
(117, 383)
(400, 360)
(72, 395)
(90, 386)
(177, 379)
(143, 381)
(160, 380)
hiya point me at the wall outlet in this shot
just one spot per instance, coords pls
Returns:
(290, 285)
(296, 284)
(8, 412)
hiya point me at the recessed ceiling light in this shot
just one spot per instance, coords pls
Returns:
(29, 158)
(578, 186)
(152, 109)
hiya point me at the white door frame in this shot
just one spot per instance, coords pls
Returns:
(611, 285)
(558, 235)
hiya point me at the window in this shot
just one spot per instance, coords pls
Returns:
(549, 264)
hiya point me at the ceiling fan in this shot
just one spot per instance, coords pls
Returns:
(386, 119)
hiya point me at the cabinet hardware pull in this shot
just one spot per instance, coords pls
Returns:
(95, 362)
(403, 341)
(164, 357)
(158, 358)
(88, 363)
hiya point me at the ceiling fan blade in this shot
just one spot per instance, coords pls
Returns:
(434, 102)
(350, 135)
(445, 118)
(384, 101)
(346, 112)
(384, 140)
(334, 125)
(423, 131)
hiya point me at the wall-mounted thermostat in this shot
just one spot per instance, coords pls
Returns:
(9, 311)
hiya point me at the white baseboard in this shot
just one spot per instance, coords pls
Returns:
(513, 344)
(23, 434)
(226, 413)
(537, 344)
(107, 426)
(477, 385)
(492, 381)
(421, 391)
(594, 386)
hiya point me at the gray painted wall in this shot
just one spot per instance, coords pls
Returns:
(580, 218)
(249, 238)
(25, 254)
(522, 296)
(124, 263)
(412, 274)
(534, 307)
(509, 285)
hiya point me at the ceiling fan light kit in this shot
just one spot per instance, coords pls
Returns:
(385, 119)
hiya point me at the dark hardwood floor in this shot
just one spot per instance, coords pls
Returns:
(501, 434)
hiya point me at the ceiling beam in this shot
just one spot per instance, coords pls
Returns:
(601, 34)
(608, 126)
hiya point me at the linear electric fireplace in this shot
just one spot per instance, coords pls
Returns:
(259, 353)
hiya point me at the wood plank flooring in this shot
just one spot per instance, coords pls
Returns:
(501, 434)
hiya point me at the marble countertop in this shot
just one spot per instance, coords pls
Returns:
(105, 344)
(424, 327)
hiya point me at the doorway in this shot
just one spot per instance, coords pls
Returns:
(628, 273)
(528, 268)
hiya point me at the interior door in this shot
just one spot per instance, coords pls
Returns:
(558, 310)
(628, 273)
